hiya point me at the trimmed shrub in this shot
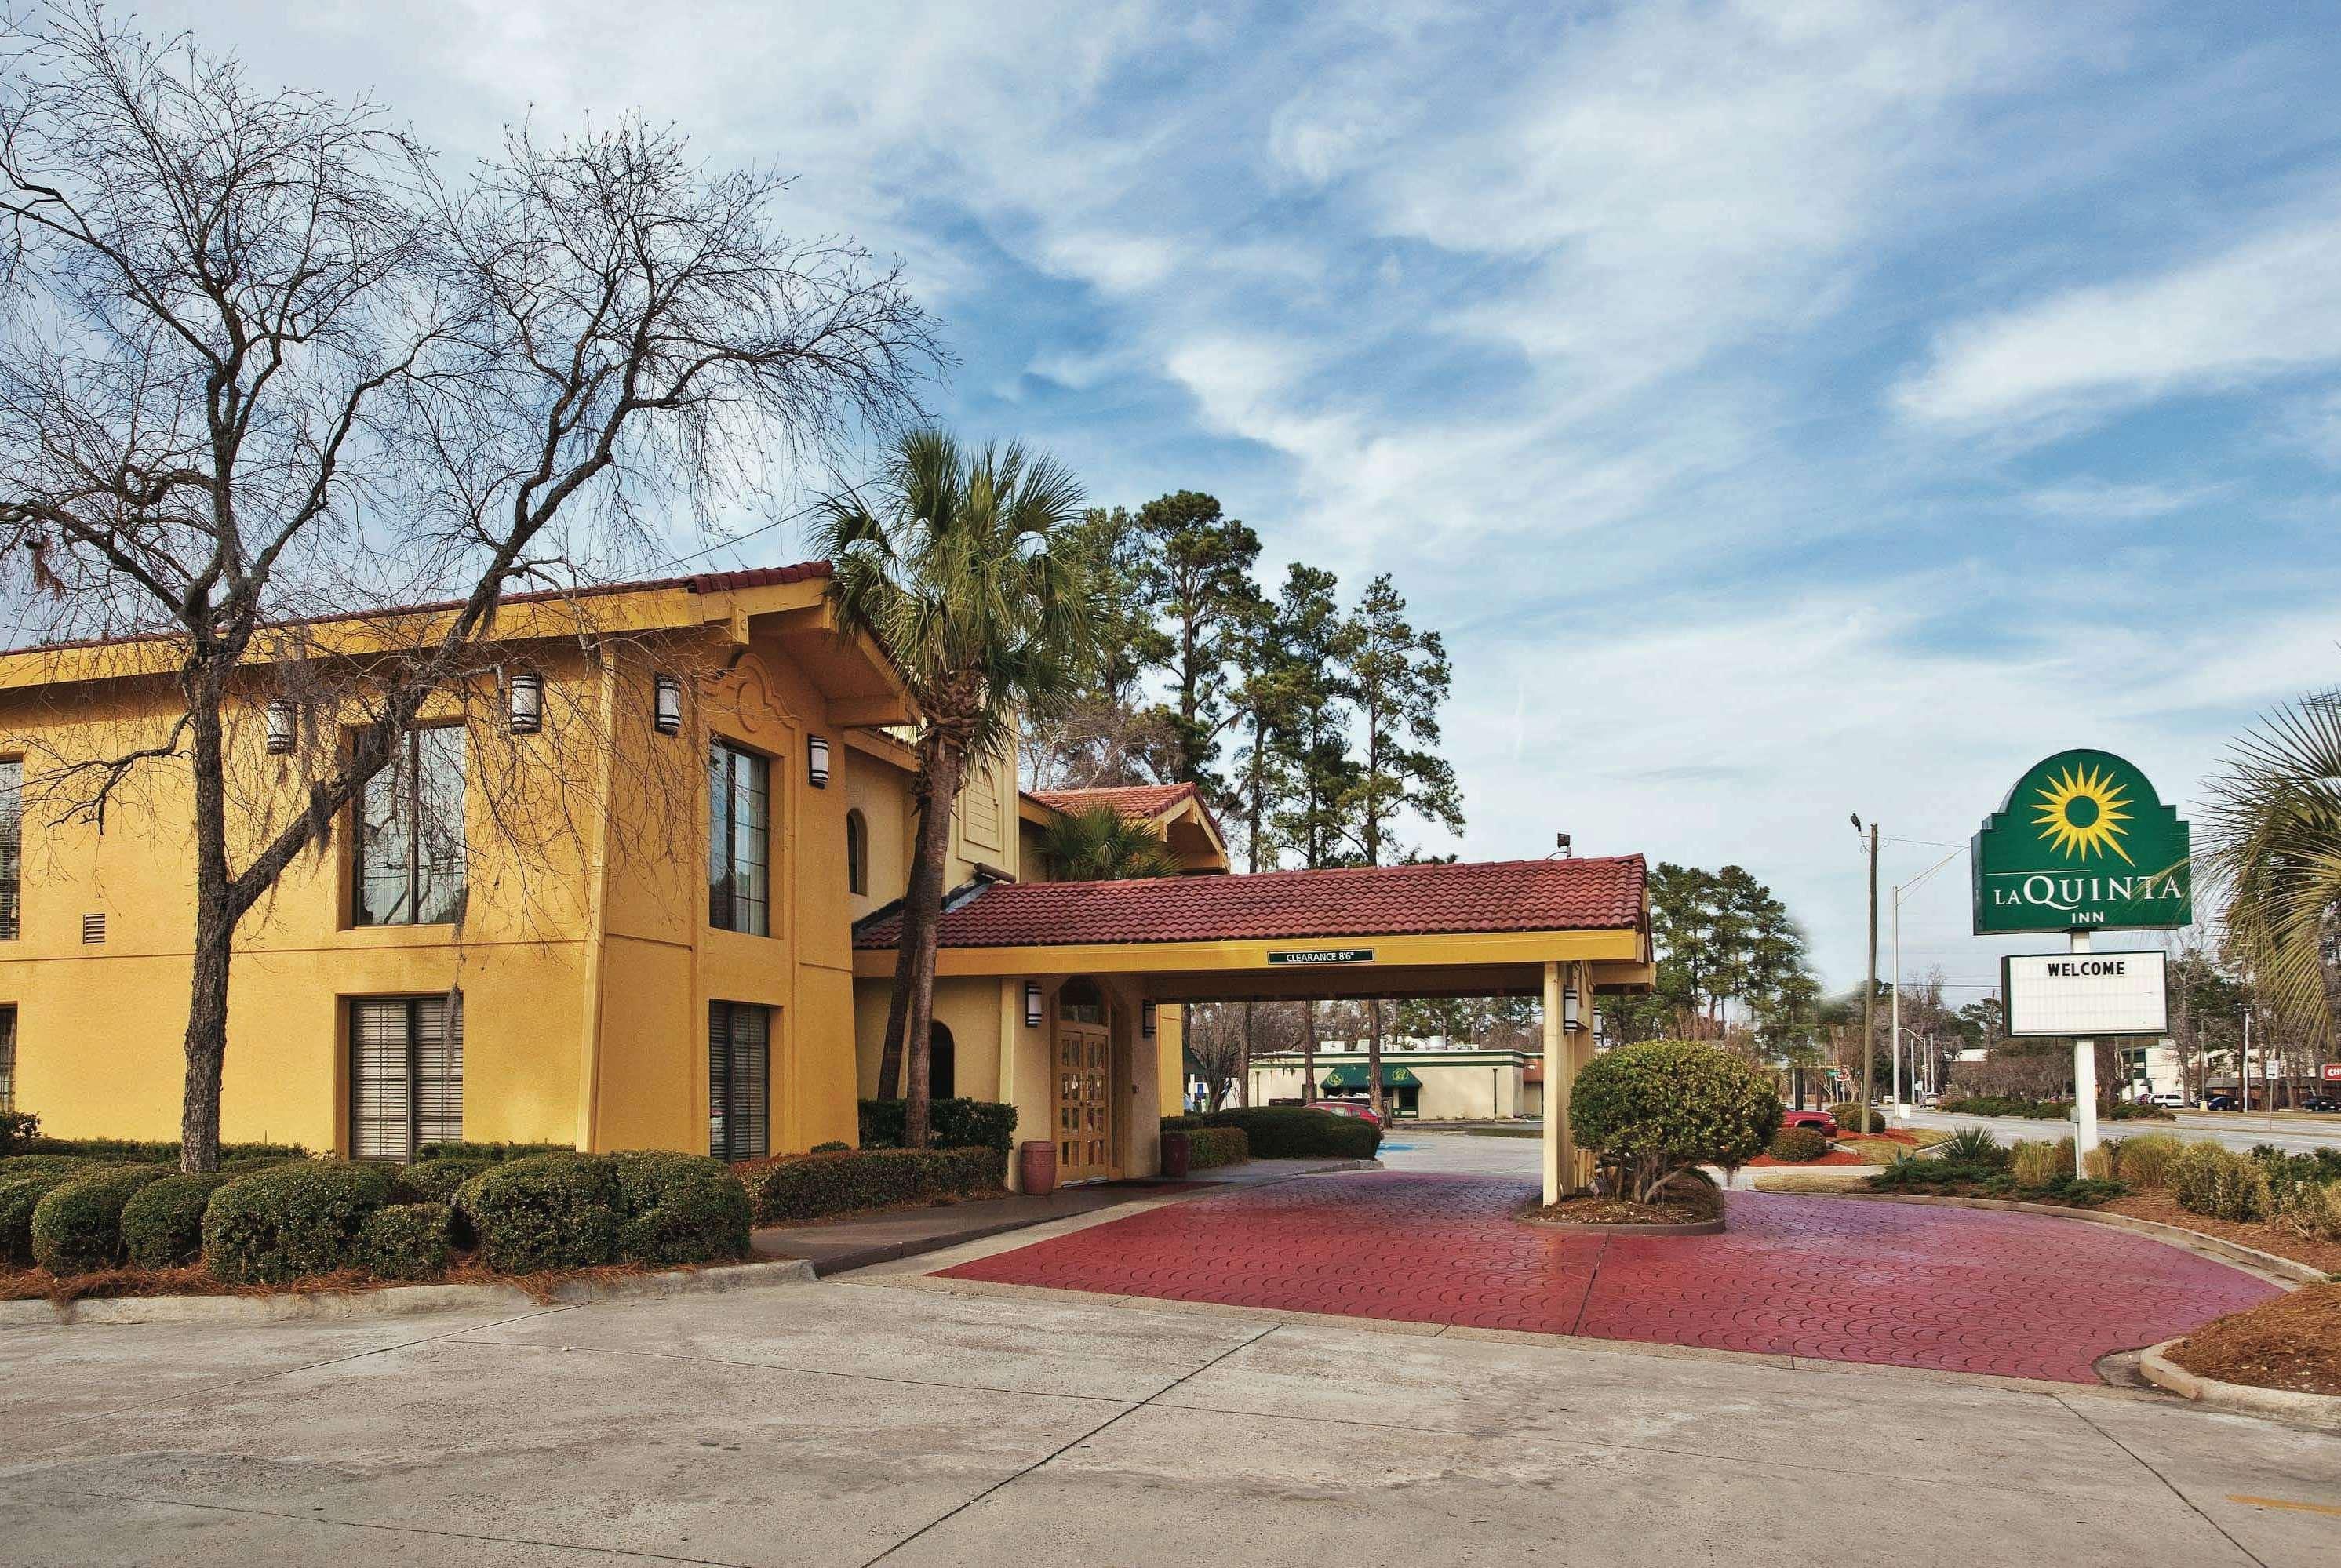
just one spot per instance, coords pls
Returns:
(680, 1209)
(2004, 1106)
(2208, 1180)
(405, 1240)
(952, 1124)
(1296, 1132)
(140, 1151)
(162, 1222)
(1853, 1118)
(1209, 1147)
(548, 1211)
(488, 1153)
(1795, 1145)
(812, 1186)
(831, 1146)
(1656, 1108)
(1181, 1124)
(77, 1227)
(34, 1164)
(21, 1192)
(2146, 1160)
(436, 1181)
(17, 1128)
(291, 1221)
(2139, 1111)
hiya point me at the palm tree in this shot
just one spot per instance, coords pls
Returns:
(2275, 850)
(1101, 845)
(970, 572)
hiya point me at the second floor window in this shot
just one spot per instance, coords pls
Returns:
(739, 896)
(12, 844)
(857, 853)
(410, 838)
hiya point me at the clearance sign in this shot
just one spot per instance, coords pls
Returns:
(2082, 843)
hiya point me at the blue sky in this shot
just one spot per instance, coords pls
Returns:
(1786, 410)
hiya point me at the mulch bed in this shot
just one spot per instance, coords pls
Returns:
(1691, 1208)
(2322, 1256)
(118, 1284)
(2293, 1342)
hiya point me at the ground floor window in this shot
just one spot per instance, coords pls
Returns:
(739, 1075)
(406, 1075)
(942, 1063)
(8, 1056)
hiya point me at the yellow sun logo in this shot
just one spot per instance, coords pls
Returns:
(2082, 813)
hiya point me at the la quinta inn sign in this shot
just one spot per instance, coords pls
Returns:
(2082, 843)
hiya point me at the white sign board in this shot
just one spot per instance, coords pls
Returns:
(2086, 995)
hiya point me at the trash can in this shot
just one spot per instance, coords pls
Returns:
(1178, 1151)
(1036, 1162)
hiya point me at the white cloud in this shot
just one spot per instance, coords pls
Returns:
(2266, 307)
(2099, 499)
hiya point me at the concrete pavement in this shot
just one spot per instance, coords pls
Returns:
(852, 1422)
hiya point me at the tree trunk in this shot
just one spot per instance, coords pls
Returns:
(215, 918)
(1243, 1059)
(1308, 1053)
(925, 897)
(1374, 1060)
(906, 958)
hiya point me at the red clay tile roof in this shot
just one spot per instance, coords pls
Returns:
(1140, 802)
(1357, 902)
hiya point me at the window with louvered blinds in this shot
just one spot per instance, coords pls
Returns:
(407, 1076)
(8, 1057)
(738, 1059)
(12, 838)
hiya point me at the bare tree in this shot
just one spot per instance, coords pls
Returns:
(265, 379)
(1216, 1036)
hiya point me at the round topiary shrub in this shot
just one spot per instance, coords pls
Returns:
(292, 1220)
(1796, 1146)
(405, 1240)
(680, 1209)
(21, 1192)
(162, 1222)
(546, 1212)
(77, 1227)
(435, 1180)
(1659, 1108)
(1854, 1118)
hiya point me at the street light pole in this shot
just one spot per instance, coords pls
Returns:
(1870, 993)
(1901, 1109)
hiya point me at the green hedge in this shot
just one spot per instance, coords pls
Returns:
(162, 1222)
(488, 1153)
(811, 1186)
(1853, 1118)
(16, 1129)
(436, 1181)
(2004, 1106)
(21, 1192)
(1797, 1146)
(77, 1227)
(292, 1220)
(1295, 1132)
(1208, 1147)
(680, 1209)
(955, 1124)
(547, 1211)
(141, 1151)
(405, 1240)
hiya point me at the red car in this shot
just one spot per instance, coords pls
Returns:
(1363, 1112)
(1821, 1122)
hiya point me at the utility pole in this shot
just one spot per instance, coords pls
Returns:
(1869, 991)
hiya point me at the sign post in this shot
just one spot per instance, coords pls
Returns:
(2083, 844)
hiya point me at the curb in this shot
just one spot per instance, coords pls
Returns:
(2318, 1410)
(398, 1301)
(2284, 1268)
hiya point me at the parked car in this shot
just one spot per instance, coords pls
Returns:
(2320, 1103)
(1358, 1108)
(2223, 1103)
(1821, 1122)
(2168, 1102)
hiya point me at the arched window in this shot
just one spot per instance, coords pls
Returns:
(1079, 1001)
(857, 853)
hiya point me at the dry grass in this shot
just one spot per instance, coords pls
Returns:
(2267, 1235)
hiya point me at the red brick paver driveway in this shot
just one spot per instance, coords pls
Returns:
(1841, 1279)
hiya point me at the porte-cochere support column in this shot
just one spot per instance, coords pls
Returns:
(1559, 1078)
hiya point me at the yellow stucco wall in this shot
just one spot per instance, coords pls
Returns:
(584, 957)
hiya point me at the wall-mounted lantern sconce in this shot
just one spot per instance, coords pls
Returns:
(524, 703)
(283, 722)
(666, 709)
(817, 762)
(1146, 1020)
(1568, 1008)
(1032, 1004)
